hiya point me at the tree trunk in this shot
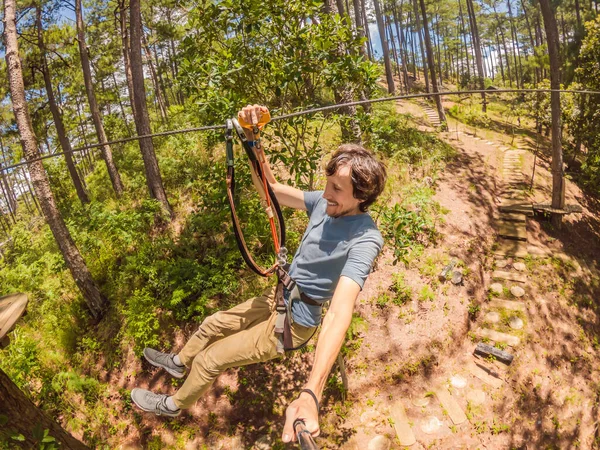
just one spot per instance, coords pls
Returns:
(558, 188)
(516, 53)
(113, 173)
(504, 45)
(478, 57)
(500, 56)
(359, 26)
(56, 115)
(157, 89)
(425, 71)
(438, 100)
(24, 417)
(401, 42)
(94, 299)
(464, 33)
(367, 32)
(126, 52)
(389, 75)
(142, 122)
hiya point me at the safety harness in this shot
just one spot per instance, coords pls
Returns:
(281, 266)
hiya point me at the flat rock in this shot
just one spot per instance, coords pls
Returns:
(448, 402)
(476, 397)
(521, 267)
(516, 323)
(517, 291)
(402, 427)
(458, 381)
(516, 206)
(510, 217)
(507, 304)
(421, 401)
(456, 278)
(492, 317)
(496, 288)
(370, 418)
(536, 251)
(513, 230)
(482, 374)
(511, 276)
(511, 247)
(497, 336)
(431, 425)
(379, 442)
(501, 263)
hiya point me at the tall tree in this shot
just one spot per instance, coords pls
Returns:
(420, 35)
(91, 294)
(142, 122)
(56, 113)
(477, 44)
(23, 418)
(430, 63)
(389, 74)
(113, 173)
(558, 187)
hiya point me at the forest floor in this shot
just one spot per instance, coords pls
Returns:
(402, 354)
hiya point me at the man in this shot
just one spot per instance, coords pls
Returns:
(332, 262)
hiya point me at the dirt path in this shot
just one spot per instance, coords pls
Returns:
(415, 379)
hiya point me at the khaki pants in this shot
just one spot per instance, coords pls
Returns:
(237, 337)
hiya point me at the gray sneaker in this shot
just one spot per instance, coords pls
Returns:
(164, 361)
(151, 402)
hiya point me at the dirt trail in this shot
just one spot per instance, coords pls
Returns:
(416, 380)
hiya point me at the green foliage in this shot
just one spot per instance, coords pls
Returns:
(402, 291)
(426, 294)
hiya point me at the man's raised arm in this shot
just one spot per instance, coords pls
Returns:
(286, 195)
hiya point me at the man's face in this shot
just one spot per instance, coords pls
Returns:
(340, 194)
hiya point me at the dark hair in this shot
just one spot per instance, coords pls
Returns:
(368, 174)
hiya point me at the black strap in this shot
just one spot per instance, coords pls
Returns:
(237, 228)
(312, 394)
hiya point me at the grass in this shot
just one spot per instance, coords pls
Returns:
(426, 294)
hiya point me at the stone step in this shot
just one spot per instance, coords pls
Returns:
(497, 336)
(516, 206)
(507, 304)
(401, 425)
(482, 374)
(512, 230)
(509, 247)
(511, 276)
(455, 412)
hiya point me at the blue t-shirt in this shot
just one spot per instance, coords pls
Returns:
(331, 248)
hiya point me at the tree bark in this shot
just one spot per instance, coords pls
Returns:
(24, 417)
(56, 114)
(157, 89)
(401, 42)
(91, 294)
(142, 122)
(478, 57)
(464, 33)
(389, 74)
(359, 26)
(558, 188)
(113, 173)
(430, 63)
(126, 52)
(425, 71)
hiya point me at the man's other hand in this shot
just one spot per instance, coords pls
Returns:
(303, 408)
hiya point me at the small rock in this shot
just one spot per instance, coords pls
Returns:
(379, 442)
(517, 291)
(263, 443)
(431, 425)
(456, 278)
(496, 288)
(458, 382)
(492, 317)
(501, 263)
(519, 266)
(476, 397)
(515, 323)
(370, 418)
(421, 401)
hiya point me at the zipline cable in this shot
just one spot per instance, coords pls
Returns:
(301, 113)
